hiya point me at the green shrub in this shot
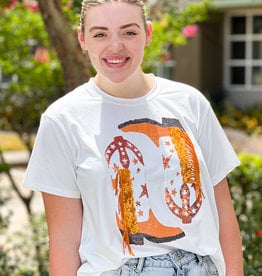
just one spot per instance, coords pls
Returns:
(6, 268)
(26, 252)
(246, 188)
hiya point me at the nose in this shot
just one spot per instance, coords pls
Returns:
(115, 44)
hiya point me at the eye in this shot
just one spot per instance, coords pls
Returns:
(130, 33)
(99, 35)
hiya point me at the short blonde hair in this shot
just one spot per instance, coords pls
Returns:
(87, 4)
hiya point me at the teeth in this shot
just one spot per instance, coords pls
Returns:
(116, 61)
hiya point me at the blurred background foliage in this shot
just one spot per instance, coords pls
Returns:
(245, 183)
(248, 120)
(31, 70)
(36, 69)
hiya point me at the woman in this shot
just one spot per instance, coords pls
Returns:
(133, 167)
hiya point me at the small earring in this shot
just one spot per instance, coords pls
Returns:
(84, 51)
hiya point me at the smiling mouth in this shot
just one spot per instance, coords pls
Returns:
(116, 62)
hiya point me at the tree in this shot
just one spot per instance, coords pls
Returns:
(56, 14)
(31, 70)
(32, 76)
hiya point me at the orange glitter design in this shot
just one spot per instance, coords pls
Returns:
(127, 207)
(190, 175)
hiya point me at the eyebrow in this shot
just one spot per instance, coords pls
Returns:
(105, 28)
(130, 25)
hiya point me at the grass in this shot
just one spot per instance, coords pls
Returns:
(10, 141)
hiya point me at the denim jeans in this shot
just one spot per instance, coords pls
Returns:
(175, 263)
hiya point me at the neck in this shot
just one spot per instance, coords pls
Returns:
(130, 88)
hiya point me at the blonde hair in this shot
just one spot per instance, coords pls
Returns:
(87, 4)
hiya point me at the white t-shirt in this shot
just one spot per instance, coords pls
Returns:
(144, 168)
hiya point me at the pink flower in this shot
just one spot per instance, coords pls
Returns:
(12, 4)
(31, 5)
(42, 55)
(258, 233)
(69, 4)
(190, 31)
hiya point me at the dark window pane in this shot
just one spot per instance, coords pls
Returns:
(257, 50)
(257, 25)
(257, 75)
(238, 50)
(238, 75)
(6, 78)
(238, 25)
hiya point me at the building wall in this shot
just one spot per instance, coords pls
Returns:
(245, 99)
(188, 63)
(203, 63)
(212, 56)
(200, 62)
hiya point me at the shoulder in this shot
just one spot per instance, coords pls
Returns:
(181, 92)
(67, 101)
(176, 86)
(72, 103)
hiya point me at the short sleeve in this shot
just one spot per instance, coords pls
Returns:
(218, 153)
(51, 167)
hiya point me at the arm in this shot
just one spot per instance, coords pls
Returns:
(64, 219)
(229, 231)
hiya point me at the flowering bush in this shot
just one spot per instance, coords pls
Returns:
(249, 120)
(29, 4)
(246, 187)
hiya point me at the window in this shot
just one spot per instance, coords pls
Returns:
(6, 79)
(3, 79)
(243, 50)
(166, 67)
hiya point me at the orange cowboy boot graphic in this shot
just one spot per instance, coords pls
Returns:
(183, 175)
(135, 218)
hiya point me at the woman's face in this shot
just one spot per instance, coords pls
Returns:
(115, 38)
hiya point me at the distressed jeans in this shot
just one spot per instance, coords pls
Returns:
(175, 263)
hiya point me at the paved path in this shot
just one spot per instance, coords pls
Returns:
(19, 218)
(242, 142)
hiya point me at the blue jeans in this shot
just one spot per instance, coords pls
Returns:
(175, 263)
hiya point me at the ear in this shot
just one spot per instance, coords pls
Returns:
(81, 38)
(149, 32)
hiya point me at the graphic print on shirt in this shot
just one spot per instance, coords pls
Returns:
(183, 195)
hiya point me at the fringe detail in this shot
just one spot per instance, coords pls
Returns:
(127, 207)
